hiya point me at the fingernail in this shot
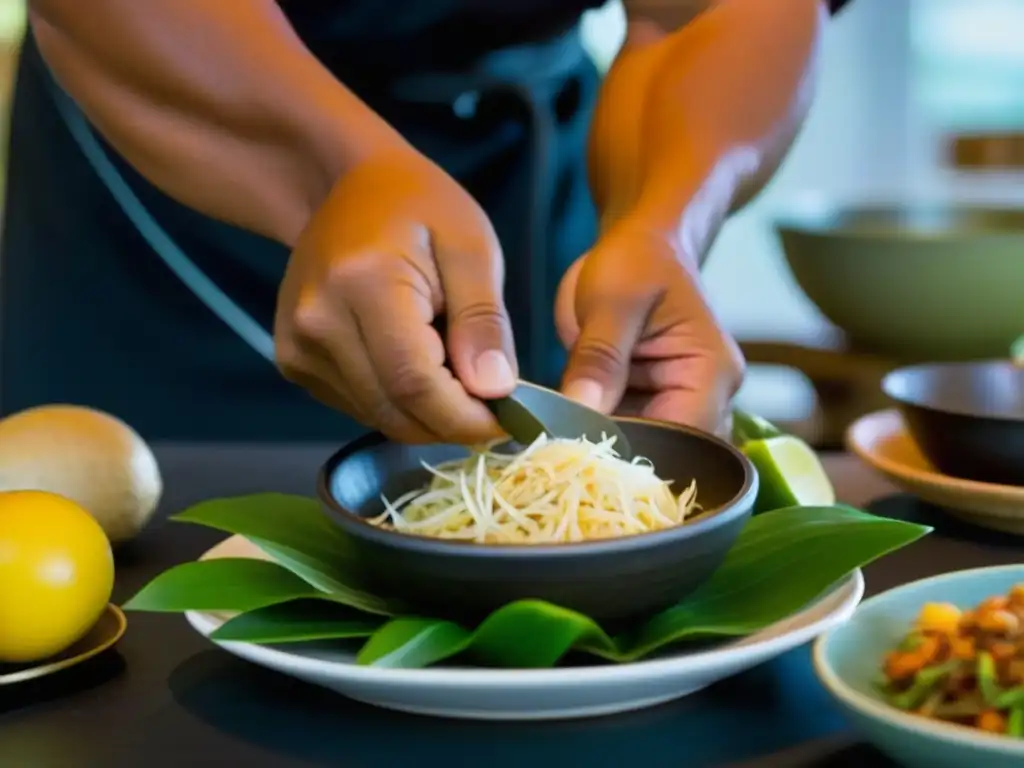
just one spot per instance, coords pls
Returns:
(585, 392)
(493, 372)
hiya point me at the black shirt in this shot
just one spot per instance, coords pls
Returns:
(89, 314)
(432, 35)
(401, 36)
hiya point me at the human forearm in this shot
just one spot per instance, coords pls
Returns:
(712, 106)
(217, 103)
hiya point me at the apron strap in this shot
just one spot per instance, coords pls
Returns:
(532, 73)
(197, 281)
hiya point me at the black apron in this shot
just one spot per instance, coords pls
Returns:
(116, 297)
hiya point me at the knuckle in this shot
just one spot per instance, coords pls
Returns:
(600, 354)
(408, 383)
(355, 271)
(342, 274)
(309, 318)
(482, 315)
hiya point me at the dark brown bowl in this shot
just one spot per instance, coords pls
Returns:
(608, 580)
(967, 418)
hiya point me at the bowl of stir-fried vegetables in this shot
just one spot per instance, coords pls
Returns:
(932, 673)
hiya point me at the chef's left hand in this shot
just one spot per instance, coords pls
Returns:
(641, 335)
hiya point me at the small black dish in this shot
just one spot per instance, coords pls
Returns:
(967, 418)
(608, 580)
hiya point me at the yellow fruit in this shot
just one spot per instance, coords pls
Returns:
(56, 574)
(90, 457)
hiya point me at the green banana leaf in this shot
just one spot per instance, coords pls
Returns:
(228, 584)
(782, 561)
(309, 544)
(299, 621)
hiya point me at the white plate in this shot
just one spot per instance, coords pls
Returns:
(536, 694)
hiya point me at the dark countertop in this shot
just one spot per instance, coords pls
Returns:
(167, 698)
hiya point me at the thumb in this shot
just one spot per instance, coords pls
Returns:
(566, 323)
(598, 369)
(480, 343)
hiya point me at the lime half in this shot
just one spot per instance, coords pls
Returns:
(790, 472)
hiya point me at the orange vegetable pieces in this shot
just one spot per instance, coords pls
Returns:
(901, 666)
(963, 648)
(992, 721)
(998, 621)
(1016, 596)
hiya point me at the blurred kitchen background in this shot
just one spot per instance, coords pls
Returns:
(901, 77)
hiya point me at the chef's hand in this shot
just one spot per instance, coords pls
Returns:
(397, 244)
(643, 339)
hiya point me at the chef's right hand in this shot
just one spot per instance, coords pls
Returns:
(396, 244)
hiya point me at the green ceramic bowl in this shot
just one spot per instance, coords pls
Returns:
(913, 282)
(848, 660)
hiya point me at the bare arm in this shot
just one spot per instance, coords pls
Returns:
(218, 104)
(709, 95)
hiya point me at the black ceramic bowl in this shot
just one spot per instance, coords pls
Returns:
(608, 580)
(967, 418)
